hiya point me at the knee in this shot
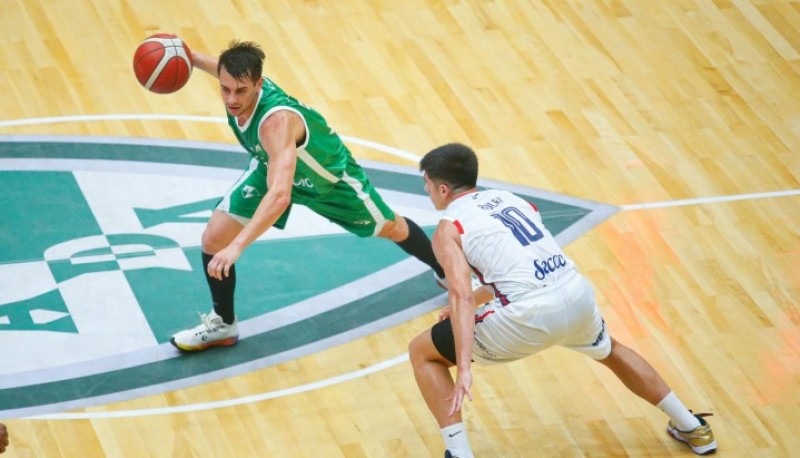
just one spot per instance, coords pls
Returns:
(210, 241)
(613, 354)
(417, 348)
(396, 230)
(220, 231)
(413, 349)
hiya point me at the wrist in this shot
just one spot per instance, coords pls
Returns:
(238, 244)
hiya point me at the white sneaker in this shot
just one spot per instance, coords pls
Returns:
(211, 332)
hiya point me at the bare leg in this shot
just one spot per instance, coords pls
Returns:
(220, 230)
(396, 231)
(636, 373)
(432, 373)
(640, 377)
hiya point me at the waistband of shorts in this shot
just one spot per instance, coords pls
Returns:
(547, 289)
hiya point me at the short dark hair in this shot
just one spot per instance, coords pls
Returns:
(453, 164)
(242, 59)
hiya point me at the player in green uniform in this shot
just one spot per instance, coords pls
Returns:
(296, 157)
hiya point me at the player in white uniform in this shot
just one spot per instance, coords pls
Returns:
(540, 300)
(509, 249)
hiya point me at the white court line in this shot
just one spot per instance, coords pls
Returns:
(111, 117)
(372, 145)
(710, 200)
(340, 378)
(228, 402)
(208, 119)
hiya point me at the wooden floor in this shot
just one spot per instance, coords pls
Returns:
(623, 102)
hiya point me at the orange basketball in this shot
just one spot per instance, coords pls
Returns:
(162, 63)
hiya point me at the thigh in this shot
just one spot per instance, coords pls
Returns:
(220, 230)
(242, 199)
(497, 338)
(501, 337)
(355, 205)
(443, 340)
(541, 320)
(587, 332)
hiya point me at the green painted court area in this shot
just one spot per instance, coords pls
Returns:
(53, 247)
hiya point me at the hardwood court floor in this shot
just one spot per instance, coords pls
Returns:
(623, 102)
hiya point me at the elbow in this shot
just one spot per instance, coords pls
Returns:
(282, 200)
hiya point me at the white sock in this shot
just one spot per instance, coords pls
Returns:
(680, 415)
(455, 439)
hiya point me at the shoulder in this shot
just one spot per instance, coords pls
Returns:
(448, 231)
(280, 116)
(268, 84)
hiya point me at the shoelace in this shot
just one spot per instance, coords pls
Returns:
(205, 321)
(705, 414)
(700, 415)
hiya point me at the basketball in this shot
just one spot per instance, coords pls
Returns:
(162, 63)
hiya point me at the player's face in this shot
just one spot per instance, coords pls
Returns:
(239, 96)
(435, 192)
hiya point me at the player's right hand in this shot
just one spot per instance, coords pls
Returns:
(461, 389)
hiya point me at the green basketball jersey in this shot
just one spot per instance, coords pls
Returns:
(321, 160)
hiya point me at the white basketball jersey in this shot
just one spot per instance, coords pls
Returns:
(507, 245)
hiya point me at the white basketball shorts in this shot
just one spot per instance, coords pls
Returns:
(565, 314)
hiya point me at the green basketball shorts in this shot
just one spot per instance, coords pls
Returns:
(352, 202)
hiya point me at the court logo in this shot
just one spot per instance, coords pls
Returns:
(96, 276)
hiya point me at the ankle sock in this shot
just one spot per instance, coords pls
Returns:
(455, 440)
(678, 413)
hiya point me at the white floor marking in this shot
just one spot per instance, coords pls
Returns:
(207, 119)
(710, 200)
(372, 145)
(229, 402)
(340, 378)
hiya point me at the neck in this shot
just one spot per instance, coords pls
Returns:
(461, 191)
(242, 119)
